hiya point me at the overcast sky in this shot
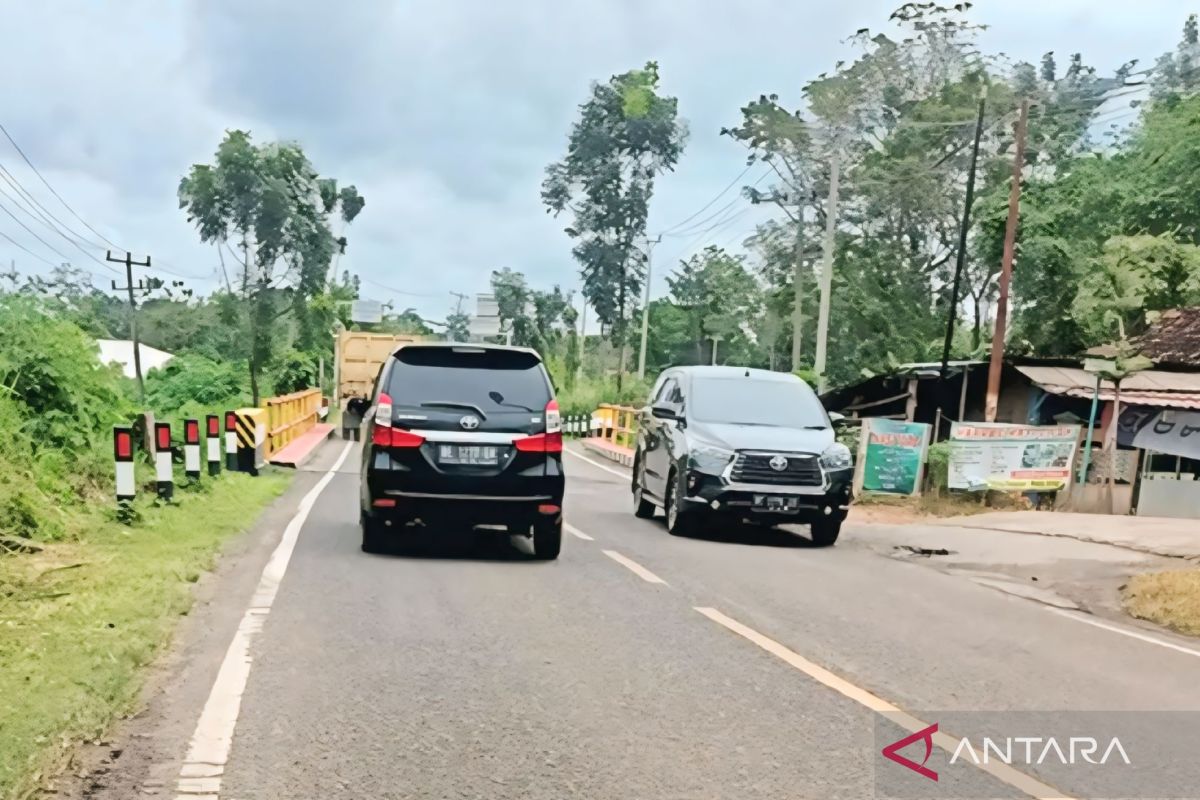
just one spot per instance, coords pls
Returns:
(444, 114)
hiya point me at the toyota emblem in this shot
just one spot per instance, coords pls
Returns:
(778, 463)
(469, 423)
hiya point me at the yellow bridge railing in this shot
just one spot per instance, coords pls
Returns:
(289, 416)
(618, 424)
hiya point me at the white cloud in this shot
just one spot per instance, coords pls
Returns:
(443, 114)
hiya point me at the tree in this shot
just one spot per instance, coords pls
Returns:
(270, 201)
(1134, 275)
(626, 135)
(458, 327)
(720, 298)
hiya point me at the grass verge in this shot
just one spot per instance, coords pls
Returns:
(1168, 598)
(80, 619)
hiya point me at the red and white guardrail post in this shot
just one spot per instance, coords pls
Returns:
(126, 481)
(162, 461)
(231, 441)
(212, 443)
(191, 450)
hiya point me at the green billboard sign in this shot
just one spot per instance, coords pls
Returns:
(893, 455)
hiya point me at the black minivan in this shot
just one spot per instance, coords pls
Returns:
(735, 443)
(463, 434)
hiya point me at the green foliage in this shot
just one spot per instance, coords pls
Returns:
(51, 369)
(270, 201)
(719, 297)
(626, 135)
(191, 382)
(937, 467)
(1133, 275)
(294, 372)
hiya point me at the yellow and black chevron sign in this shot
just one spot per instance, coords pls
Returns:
(247, 426)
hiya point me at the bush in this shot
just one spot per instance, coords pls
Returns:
(588, 393)
(937, 470)
(191, 385)
(51, 369)
(295, 372)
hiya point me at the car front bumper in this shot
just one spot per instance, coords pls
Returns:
(831, 500)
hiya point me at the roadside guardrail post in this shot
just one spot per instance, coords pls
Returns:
(126, 480)
(191, 450)
(164, 478)
(251, 439)
(231, 446)
(212, 443)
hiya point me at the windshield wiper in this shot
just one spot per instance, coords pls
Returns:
(815, 427)
(498, 399)
(454, 404)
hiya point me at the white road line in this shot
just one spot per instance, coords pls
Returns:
(200, 776)
(578, 534)
(634, 567)
(1132, 634)
(597, 464)
(1002, 772)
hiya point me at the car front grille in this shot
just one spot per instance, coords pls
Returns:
(802, 469)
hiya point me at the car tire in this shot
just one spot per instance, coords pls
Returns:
(680, 521)
(547, 538)
(373, 534)
(642, 508)
(825, 532)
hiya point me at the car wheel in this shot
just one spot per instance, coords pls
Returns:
(547, 538)
(680, 522)
(642, 508)
(825, 532)
(373, 534)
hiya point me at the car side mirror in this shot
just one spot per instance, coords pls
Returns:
(664, 411)
(835, 418)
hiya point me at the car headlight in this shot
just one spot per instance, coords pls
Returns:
(711, 459)
(837, 456)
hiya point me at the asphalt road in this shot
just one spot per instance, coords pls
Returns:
(640, 665)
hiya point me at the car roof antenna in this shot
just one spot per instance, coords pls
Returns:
(747, 372)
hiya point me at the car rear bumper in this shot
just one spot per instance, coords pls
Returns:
(830, 500)
(520, 499)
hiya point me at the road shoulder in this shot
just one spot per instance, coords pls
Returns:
(142, 754)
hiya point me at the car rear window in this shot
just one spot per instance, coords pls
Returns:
(490, 379)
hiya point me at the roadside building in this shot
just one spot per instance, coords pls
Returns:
(120, 351)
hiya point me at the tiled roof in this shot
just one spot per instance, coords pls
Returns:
(1174, 338)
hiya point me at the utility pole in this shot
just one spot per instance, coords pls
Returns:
(964, 229)
(798, 306)
(646, 306)
(831, 210)
(1010, 239)
(133, 333)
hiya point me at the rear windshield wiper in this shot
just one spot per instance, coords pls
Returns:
(454, 404)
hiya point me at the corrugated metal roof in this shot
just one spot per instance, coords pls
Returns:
(1149, 388)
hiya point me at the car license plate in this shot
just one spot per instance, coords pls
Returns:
(471, 455)
(767, 502)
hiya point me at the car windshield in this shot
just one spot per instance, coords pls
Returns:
(468, 378)
(746, 401)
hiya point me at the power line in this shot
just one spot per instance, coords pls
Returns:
(34, 217)
(41, 177)
(705, 207)
(396, 291)
(15, 243)
(32, 233)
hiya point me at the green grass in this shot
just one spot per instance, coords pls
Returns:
(80, 619)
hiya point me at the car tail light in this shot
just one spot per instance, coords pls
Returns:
(387, 436)
(383, 410)
(548, 442)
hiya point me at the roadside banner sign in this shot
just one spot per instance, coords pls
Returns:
(892, 454)
(1162, 430)
(996, 455)
(368, 311)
